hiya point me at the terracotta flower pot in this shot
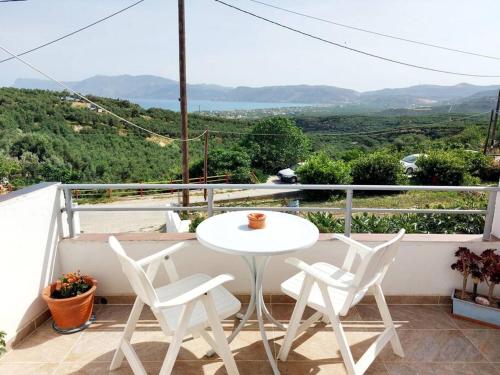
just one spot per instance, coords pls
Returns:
(256, 220)
(70, 312)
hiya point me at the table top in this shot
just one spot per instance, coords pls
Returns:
(284, 233)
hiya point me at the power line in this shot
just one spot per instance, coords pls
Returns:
(353, 49)
(375, 32)
(73, 32)
(66, 87)
(9, 1)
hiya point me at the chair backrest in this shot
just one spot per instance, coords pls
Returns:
(136, 276)
(173, 221)
(374, 264)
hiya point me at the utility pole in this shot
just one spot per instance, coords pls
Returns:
(493, 133)
(183, 101)
(205, 164)
(488, 134)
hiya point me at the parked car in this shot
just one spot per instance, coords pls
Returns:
(408, 163)
(288, 175)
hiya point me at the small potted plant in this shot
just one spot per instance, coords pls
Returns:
(71, 300)
(473, 306)
(3, 344)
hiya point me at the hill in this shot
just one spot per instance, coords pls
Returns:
(47, 136)
(153, 87)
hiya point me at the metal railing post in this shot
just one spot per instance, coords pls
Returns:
(348, 213)
(490, 214)
(69, 211)
(210, 202)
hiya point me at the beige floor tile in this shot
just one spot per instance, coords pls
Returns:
(441, 369)
(319, 344)
(42, 346)
(27, 368)
(97, 346)
(487, 341)
(322, 368)
(248, 345)
(434, 346)
(217, 368)
(411, 316)
(283, 311)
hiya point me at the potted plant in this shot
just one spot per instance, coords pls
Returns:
(472, 306)
(2, 342)
(71, 300)
(466, 263)
(490, 270)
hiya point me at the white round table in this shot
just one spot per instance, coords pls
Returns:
(283, 234)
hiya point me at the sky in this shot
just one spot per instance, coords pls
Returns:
(229, 48)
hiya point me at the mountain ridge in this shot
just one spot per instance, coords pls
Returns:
(155, 87)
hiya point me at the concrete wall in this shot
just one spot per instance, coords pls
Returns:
(495, 229)
(421, 268)
(29, 234)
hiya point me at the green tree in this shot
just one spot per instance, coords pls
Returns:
(285, 145)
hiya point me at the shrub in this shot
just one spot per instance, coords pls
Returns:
(379, 168)
(320, 169)
(285, 145)
(235, 162)
(474, 161)
(491, 171)
(195, 221)
(412, 223)
(441, 168)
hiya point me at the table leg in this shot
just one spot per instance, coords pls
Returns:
(257, 304)
(260, 307)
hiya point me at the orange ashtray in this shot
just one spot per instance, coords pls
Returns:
(256, 220)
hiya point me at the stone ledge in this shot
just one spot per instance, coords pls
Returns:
(364, 237)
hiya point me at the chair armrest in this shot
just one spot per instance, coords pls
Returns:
(351, 242)
(162, 253)
(196, 292)
(318, 274)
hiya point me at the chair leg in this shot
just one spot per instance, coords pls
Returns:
(127, 334)
(294, 324)
(387, 319)
(220, 338)
(175, 345)
(345, 351)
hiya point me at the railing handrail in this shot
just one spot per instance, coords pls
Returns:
(281, 187)
(348, 210)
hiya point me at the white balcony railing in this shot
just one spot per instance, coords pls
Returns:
(348, 210)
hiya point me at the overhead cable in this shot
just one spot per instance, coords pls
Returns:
(387, 59)
(73, 32)
(66, 87)
(390, 36)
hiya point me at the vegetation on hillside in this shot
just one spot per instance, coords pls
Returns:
(48, 136)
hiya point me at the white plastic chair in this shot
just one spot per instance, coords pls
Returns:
(183, 307)
(174, 224)
(332, 291)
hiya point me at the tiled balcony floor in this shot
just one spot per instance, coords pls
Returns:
(434, 343)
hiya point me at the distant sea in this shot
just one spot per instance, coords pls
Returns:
(210, 105)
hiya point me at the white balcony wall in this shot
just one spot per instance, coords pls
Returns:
(29, 233)
(495, 228)
(421, 268)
